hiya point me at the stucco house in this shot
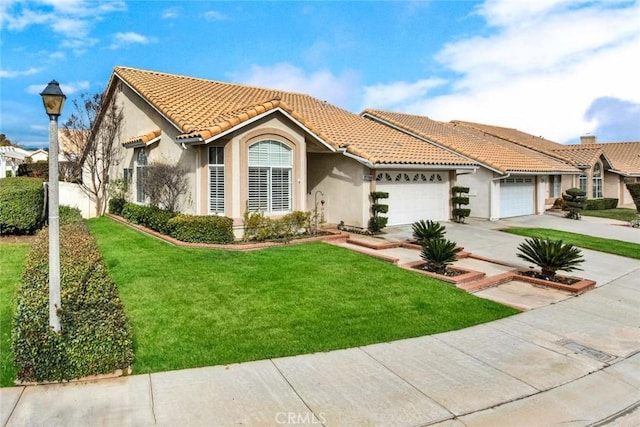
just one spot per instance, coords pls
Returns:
(605, 167)
(254, 148)
(511, 180)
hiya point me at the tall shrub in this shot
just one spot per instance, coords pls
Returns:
(634, 190)
(574, 200)
(95, 336)
(378, 222)
(21, 204)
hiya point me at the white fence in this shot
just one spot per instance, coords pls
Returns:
(73, 195)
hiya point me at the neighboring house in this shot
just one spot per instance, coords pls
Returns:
(39, 155)
(10, 158)
(261, 149)
(604, 167)
(512, 180)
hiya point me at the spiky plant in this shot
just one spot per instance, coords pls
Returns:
(550, 255)
(439, 254)
(423, 231)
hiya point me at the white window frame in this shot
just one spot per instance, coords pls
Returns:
(270, 177)
(216, 181)
(554, 185)
(142, 162)
(597, 181)
(583, 179)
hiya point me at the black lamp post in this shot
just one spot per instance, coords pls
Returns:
(53, 100)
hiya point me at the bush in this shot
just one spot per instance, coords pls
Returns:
(69, 215)
(438, 254)
(600, 204)
(202, 229)
(574, 200)
(550, 255)
(34, 170)
(424, 231)
(116, 205)
(259, 227)
(95, 336)
(377, 223)
(148, 216)
(634, 190)
(21, 204)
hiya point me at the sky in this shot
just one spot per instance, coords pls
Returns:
(553, 68)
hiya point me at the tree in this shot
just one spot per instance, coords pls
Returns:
(164, 184)
(575, 200)
(634, 190)
(92, 143)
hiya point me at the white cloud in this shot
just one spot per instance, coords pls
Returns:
(10, 74)
(398, 93)
(213, 15)
(336, 89)
(170, 13)
(128, 38)
(540, 70)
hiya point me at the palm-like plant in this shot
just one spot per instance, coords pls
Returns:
(550, 255)
(439, 254)
(424, 231)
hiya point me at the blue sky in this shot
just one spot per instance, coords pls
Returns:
(554, 68)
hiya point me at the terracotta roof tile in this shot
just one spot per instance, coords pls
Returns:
(145, 139)
(205, 108)
(624, 156)
(493, 152)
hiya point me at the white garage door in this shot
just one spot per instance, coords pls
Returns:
(516, 197)
(415, 195)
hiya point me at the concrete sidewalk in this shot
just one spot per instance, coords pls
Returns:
(574, 363)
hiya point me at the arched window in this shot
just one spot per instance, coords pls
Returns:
(141, 174)
(270, 165)
(597, 181)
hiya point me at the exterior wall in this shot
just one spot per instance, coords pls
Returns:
(73, 195)
(343, 188)
(479, 184)
(611, 186)
(236, 165)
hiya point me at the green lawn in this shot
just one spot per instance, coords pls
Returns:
(611, 246)
(199, 307)
(12, 259)
(622, 214)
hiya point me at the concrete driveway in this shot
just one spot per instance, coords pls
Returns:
(575, 363)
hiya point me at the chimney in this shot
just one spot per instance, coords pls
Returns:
(588, 139)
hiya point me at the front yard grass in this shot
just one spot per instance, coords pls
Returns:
(622, 214)
(611, 246)
(12, 259)
(201, 307)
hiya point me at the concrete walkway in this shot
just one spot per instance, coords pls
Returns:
(575, 363)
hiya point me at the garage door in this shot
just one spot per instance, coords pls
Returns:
(415, 195)
(516, 197)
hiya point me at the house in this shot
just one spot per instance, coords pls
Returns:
(511, 180)
(605, 167)
(253, 148)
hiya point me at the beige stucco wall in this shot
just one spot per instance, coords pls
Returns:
(479, 184)
(341, 180)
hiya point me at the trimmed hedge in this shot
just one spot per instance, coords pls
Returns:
(95, 337)
(202, 229)
(600, 204)
(69, 215)
(21, 204)
(634, 190)
(148, 216)
(116, 205)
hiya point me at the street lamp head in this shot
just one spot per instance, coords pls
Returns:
(53, 99)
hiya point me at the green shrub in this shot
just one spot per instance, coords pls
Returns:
(95, 337)
(69, 215)
(423, 231)
(439, 254)
(550, 255)
(574, 201)
(21, 205)
(202, 229)
(459, 199)
(601, 204)
(34, 170)
(634, 190)
(148, 216)
(377, 223)
(258, 227)
(116, 205)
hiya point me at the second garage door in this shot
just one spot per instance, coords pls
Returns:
(415, 195)
(517, 197)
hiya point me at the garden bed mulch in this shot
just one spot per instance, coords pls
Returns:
(231, 246)
(457, 276)
(572, 284)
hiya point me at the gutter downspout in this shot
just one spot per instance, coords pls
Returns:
(494, 197)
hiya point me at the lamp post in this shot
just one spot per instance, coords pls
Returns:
(53, 100)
